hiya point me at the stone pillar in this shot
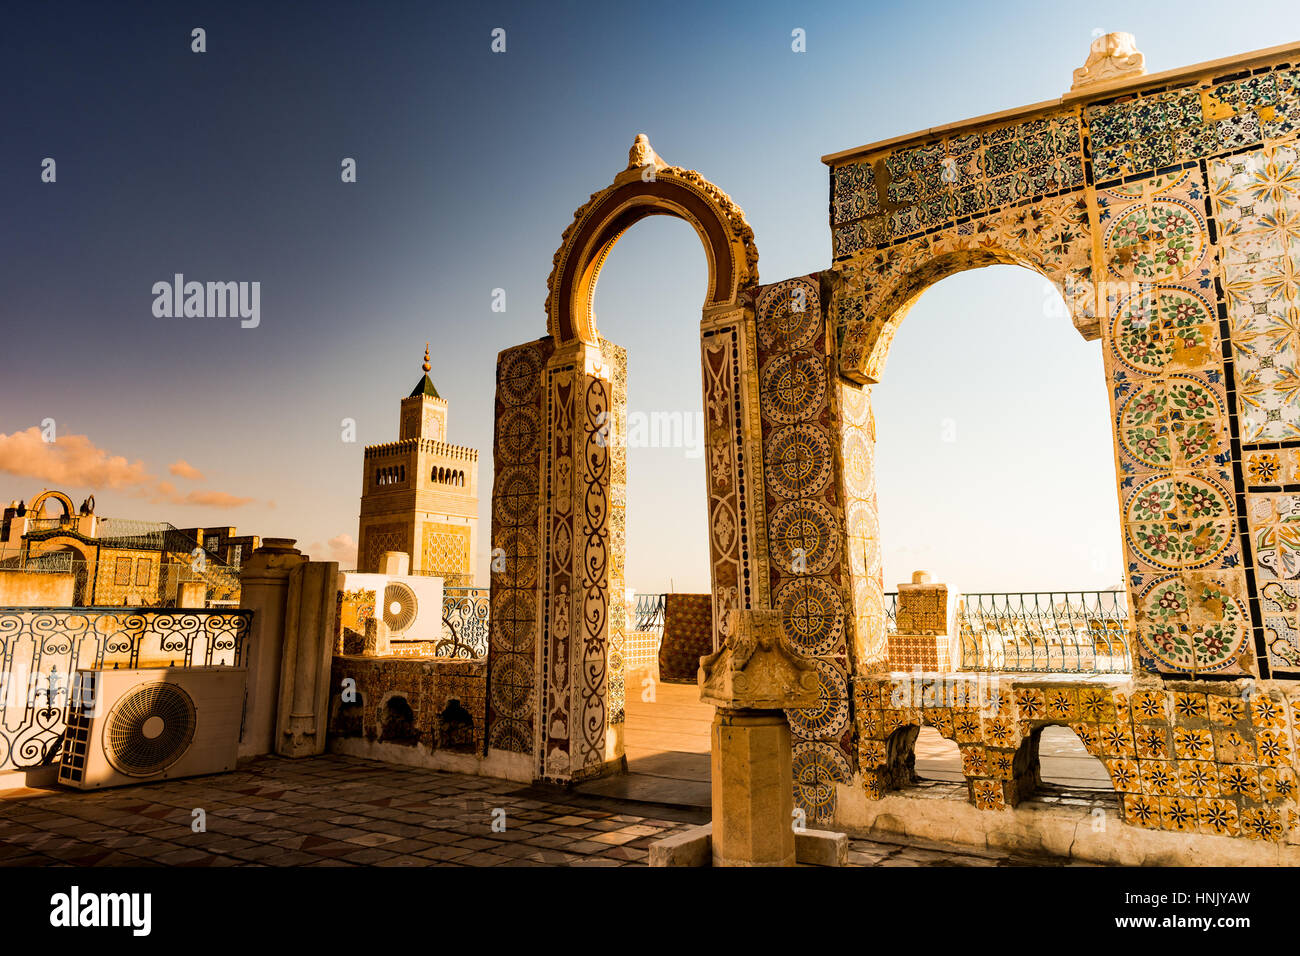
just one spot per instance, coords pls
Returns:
(305, 665)
(752, 679)
(264, 587)
(921, 641)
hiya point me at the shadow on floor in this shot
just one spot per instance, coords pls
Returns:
(666, 739)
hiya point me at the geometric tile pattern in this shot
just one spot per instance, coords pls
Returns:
(1257, 206)
(1211, 761)
(1169, 220)
(513, 619)
(445, 551)
(873, 289)
(915, 190)
(806, 527)
(390, 536)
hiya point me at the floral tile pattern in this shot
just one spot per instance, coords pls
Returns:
(912, 191)
(1152, 131)
(1052, 238)
(1169, 219)
(1256, 200)
(1173, 427)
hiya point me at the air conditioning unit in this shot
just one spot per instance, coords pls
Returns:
(406, 609)
(156, 723)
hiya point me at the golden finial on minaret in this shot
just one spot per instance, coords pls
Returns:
(426, 358)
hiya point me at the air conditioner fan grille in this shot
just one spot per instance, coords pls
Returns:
(149, 729)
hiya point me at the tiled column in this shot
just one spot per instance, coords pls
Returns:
(810, 571)
(576, 737)
(516, 561)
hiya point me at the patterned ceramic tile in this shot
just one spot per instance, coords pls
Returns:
(1256, 200)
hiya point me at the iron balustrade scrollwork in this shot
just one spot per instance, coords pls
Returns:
(49, 562)
(1072, 632)
(891, 612)
(41, 649)
(645, 631)
(464, 623)
(648, 615)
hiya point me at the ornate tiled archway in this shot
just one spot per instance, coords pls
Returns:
(558, 622)
(1162, 209)
(1147, 202)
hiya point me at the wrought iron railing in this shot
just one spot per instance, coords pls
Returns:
(42, 648)
(182, 560)
(891, 612)
(645, 631)
(464, 623)
(648, 615)
(51, 524)
(51, 562)
(1085, 632)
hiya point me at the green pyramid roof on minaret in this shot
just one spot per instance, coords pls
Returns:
(425, 385)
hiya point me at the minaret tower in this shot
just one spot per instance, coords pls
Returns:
(419, 494)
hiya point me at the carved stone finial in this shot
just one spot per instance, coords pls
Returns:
(643, 154)
(756, 669)
(1113, 56)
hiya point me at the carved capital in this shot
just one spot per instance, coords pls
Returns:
(756, 669)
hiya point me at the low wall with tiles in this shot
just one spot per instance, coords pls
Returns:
(1190, 757)
(429, 713)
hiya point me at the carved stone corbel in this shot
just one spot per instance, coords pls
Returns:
(756, 669)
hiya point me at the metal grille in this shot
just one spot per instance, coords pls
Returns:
(400, 606)
(649, 612)
(464, 623)
(149, 729)
(1083, 632)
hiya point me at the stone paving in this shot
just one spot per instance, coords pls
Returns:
(342, 811)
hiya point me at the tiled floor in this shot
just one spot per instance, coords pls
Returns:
(341, 811)
(666, 739)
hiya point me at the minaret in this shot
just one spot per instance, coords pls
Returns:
(424, 411)
(419, 494)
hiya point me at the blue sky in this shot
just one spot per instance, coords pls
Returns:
(225, 166)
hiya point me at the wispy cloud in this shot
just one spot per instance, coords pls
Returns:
(183, 469)
(74, 461)
(341, 548)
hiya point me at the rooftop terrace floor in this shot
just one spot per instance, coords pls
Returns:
(342, 811)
